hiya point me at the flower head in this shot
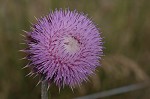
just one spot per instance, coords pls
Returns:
(64, 47)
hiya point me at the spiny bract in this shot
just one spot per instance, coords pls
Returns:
(64, 47)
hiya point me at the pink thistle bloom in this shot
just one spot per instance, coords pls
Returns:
(64, 47)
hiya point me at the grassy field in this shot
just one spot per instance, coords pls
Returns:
(125, 26)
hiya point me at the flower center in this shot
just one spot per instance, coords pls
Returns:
(71, 44)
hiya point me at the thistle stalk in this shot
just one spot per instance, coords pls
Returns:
(44, 91)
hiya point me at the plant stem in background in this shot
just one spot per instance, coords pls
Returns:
(44, 91)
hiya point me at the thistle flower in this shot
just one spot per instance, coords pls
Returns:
(64, 47)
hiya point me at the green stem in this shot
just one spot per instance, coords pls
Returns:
(44, 91)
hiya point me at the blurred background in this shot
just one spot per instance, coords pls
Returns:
(125, 26)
